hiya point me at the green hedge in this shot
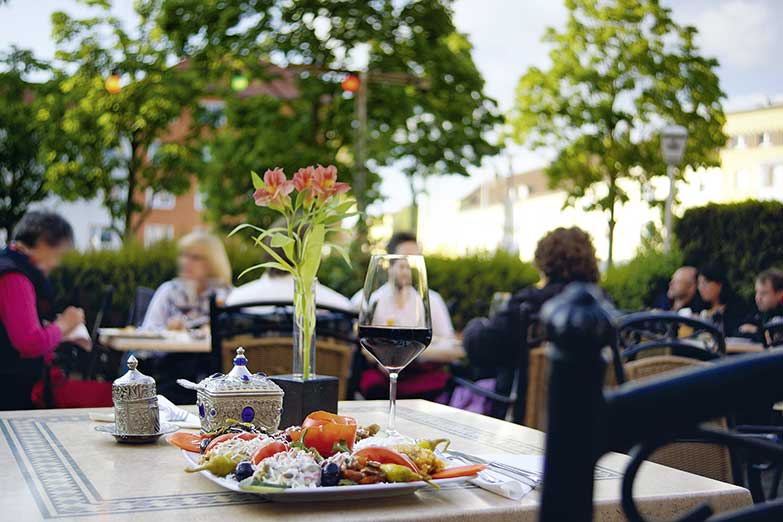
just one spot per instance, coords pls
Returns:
(745, 238)
(635, 284)
(466, 283)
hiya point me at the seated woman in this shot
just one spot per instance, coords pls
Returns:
(29, 329)
(562, 256)
(183, 302)
(722, 306)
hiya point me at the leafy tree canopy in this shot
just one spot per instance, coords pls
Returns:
(620, 71)
(117, 145)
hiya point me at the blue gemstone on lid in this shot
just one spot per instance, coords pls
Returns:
(212, 412)
(248, 414)
(245, 378)
(261, 374)
(201, 411)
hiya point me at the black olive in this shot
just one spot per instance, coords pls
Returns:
(330, 474)
(244, 469)
(202, 446)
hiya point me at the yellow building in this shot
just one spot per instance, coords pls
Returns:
(752, 161)
(752, 167)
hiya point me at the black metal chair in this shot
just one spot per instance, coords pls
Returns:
(772, 333)
(586, 421)
(138, 309)
(272, 328)
(511, 381)
(99, 353)
(684, 336)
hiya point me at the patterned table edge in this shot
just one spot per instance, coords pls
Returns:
(64, 491)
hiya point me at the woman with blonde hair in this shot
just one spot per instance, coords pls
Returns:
(183, 302)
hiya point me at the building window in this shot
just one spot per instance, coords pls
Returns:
(155, 232)
(766, 139)
(160, 200)
(213, 113)
(153, 149)
(101, 237)
(198, 201)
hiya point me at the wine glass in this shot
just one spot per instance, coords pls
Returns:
(394, 317)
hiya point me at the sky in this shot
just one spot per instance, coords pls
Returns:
(744, 35)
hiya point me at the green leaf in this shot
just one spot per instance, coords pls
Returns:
(280, 240)
(299, 200)
(243, 226)
(343, 251)
(257, 181)
(314, 243)
(268, 264)
(344, 207)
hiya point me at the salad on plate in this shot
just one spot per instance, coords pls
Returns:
(326, 451)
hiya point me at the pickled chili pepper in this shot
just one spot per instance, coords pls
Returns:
(432, 445)
(220, 465)
(398, 473)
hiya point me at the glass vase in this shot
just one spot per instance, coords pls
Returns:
(304, 328)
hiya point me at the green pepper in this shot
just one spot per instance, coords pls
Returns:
(432, 445)
(220, 465)
(398, 473)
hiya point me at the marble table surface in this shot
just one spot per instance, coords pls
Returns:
(56, 466)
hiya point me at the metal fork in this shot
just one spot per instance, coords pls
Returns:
(529, 475)
(513, 473)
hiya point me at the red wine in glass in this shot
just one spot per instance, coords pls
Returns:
(394, 347)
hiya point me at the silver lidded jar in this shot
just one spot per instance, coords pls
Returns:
(239, 395)
(135, 403)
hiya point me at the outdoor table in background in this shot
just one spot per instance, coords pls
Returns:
(57, 466)
(167, 341)
(737, 345)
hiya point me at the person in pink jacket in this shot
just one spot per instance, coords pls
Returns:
(29, 329)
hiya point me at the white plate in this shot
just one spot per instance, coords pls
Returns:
(328, 493)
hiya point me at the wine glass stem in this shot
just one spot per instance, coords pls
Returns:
(392, 400)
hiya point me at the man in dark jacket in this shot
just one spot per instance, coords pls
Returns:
(769, 303)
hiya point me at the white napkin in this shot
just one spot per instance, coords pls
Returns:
(168, 411)
(503, 484)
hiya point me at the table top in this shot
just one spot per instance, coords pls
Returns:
(735, 347)
(57, 466)
(171, 341)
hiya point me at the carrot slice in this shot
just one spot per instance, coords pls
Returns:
(185, 440)
(459, 471)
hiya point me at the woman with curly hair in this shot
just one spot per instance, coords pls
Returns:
(562, 256)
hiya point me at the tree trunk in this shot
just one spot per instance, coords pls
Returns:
(612, 202)
(127, 230)
(414, 208)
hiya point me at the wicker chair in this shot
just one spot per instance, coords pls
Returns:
(707, 460)
(273, 354)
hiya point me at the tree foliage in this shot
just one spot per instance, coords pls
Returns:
(620, 70)
(117, 145)
(426, 104)
(22, 180)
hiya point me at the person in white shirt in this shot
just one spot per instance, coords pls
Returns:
(404, 243)
(424, 377)
(276, 285)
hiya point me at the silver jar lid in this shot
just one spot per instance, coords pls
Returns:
(239, 381)
(134, 385)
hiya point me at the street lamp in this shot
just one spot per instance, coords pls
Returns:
(673, 140)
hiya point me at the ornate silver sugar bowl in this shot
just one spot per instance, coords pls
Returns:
(239, 395)
(135, 403)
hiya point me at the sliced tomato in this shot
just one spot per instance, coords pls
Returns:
(323, 437)
(383, 455)
(185, 440)
(319, 418)
(273, 448)
(460, 471)
(229, 436)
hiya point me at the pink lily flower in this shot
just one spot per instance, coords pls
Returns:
(325, 182)
(275, 190)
